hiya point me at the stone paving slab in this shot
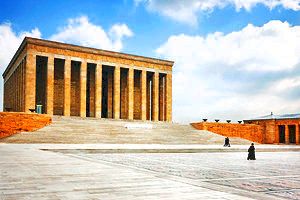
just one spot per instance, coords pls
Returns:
(273, 174)
(30, 173)
(154, 148)
(27, 172)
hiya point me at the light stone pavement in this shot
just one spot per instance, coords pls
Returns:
(26, 172)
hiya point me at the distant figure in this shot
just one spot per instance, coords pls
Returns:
(251, 152)
(226, 144)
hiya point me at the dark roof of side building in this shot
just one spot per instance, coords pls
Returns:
(72, 47)
(272, 116)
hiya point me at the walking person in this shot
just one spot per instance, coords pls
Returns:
(227, 143)
(251, 152)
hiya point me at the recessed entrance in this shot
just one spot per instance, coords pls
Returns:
(41, 81)
(281, 129)
(124, 93)
(90, 90)
(292, 134)
(75, 88)
(150, 95)
(137, 113)
(107, 91)
(58, 99)
(162, 97)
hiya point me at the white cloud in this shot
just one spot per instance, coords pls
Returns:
(9, 43)
(78, 31)
(82, 32)
(241, 74)
(186, 11)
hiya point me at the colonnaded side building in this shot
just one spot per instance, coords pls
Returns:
(72, 80)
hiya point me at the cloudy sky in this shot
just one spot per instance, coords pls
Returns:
(234, 59)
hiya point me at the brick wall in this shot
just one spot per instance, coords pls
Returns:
(250, 132)
(14, 122)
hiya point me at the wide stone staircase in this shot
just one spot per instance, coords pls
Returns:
(76, 130)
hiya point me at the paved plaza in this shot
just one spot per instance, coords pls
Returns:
(27, 172)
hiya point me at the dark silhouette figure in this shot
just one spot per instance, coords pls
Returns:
(251, 152)
(226, 144)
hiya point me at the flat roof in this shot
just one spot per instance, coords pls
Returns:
(272, 116)
(72, 47)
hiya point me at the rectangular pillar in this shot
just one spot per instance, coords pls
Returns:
(116, 92)
(155, 96)
(30, 77)
(130, 92)
(297, 134)
(287, 135)
(98, 91)
(83, 73)
(169, 98)
(50, 85)
(67, 87)
(144, 94)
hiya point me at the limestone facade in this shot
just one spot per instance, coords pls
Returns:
(267, 130)
(278, 131)
(72, 80)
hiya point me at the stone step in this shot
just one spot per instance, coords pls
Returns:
(90, 130)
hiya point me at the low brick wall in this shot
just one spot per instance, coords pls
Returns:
(14, 122)
(250, 132)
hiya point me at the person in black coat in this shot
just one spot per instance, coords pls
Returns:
(251, 152)
(226, 144)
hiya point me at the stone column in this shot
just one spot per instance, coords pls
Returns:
(144, 94)
(155, 96)
(67, 87)
(287, 135)
(130, 92)
(98, 91)
(50, 85)
(297, 134)
(83, 72)
(168, 100)
(116, 92)
(30, 78)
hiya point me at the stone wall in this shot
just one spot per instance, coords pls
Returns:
(58, 100)
(14, 122)
(250, 132)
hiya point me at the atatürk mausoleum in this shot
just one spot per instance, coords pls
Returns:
(71, 80)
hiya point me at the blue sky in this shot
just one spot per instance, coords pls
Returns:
(233, 59)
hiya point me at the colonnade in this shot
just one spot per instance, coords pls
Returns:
(91, 88)
(288, 133)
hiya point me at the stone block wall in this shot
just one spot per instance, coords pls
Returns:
(250, 132)
(58, 100)
(15, 122)
(137, 95)
(14, 91)
(75, 89)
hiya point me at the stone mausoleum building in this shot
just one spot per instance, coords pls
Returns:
(72, 80)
